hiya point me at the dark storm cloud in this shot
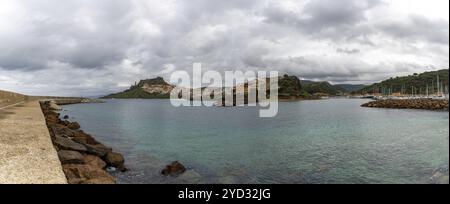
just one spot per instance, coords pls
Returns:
(326, 18)
(331, 14)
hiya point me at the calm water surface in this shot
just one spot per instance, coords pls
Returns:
(327, 141)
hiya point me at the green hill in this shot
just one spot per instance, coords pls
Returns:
(412, 84)
(289, 87)
(155, 88)
(351, 87)
(322, 88)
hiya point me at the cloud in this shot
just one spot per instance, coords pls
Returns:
(325, 18)
(417, 28)
(347, 51)
(82, 47)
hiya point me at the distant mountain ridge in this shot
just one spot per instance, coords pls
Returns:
(351, 87)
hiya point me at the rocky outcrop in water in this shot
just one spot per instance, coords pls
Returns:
(84, 159)
(174, 169)
(115, 160)
(428, 104)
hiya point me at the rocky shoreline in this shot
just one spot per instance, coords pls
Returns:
(426, 104)
(84, 160)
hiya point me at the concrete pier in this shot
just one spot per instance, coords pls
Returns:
(27, 154)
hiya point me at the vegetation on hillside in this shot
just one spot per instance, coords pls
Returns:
(351, 87)
(290, 86)
(323, 88)
(412, 84)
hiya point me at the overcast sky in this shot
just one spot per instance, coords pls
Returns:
(94, 47)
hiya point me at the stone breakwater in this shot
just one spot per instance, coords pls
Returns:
(84, 160)
(428, 104)
(27, 155)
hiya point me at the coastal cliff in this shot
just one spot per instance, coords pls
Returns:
(155, 88)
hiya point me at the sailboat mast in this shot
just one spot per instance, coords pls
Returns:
(438, 85)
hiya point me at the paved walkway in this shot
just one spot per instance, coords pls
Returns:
(26, 151)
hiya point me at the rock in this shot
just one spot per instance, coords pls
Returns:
(61, 130)
(94, 161)
(73, 126)
(52, 118)
(70, 157)
(116, 160)
(85, 174)
(98, 149)
(67, 144)
(64, 123)
(66, 117)
(84, 138)
(174, 169)
(53, 106)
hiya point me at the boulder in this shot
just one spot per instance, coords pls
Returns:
(61, 130)
(73, 126)
(64, 123)
(174, 169)
(115, 160)
(97, 150)
(94, 161)
(66, 117)
(70, 157)
(67, 144)
(52, 118)
(84, 138)
(53, 106)
(85, 174)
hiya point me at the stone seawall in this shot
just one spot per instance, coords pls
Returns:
(27, 155)
(427, 104)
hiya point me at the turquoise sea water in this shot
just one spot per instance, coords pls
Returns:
(326, 141)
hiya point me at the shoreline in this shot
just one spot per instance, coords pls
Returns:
(84, 160)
